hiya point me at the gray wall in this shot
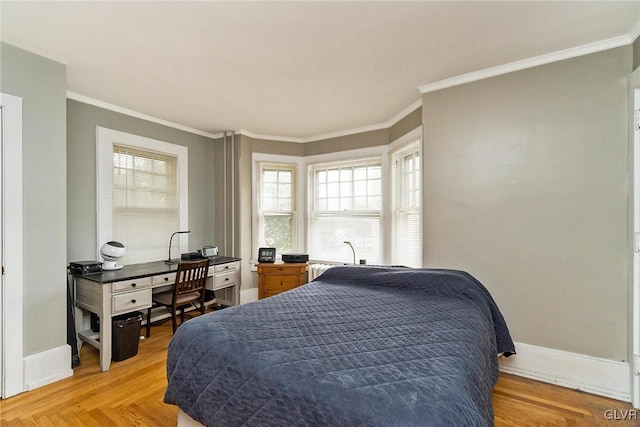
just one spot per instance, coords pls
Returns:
(525, 187)
(41, 83)
(349, 142)
(82, 120)
(406, 124)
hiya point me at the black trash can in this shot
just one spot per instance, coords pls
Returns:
(125, 335)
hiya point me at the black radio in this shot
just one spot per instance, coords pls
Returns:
(191, 256)
(85, 267)
(295, 257)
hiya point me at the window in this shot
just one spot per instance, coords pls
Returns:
(346, 206)
(277, 207)
(142, 195)
(406, 247)
(145, 202)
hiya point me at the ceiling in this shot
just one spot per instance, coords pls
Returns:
(293, 70)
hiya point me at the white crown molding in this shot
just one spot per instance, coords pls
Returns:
(97, 103)
(107, 106)
(530, 63)
(265, 137)
(635, 32)
(384, 125)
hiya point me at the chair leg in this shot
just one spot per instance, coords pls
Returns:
(173, 320)
(148, 322)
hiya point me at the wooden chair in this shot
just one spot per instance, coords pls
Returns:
(189, 286)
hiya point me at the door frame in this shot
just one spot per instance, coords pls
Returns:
(11, 290)
(634, 326)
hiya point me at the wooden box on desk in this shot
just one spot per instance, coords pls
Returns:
(274, 278)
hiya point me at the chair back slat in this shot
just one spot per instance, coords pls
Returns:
(191, 277)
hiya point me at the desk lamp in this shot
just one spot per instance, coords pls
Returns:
(352, 250)
(168, 261)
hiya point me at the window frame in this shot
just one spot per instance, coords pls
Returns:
(298, 236)
(406, 146)
(355, 156)
(105, 138)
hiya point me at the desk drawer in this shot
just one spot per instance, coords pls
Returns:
(226, 267)
(222, 280)
(164, 279)
(130, 301)
(129, 285)
(280, 283)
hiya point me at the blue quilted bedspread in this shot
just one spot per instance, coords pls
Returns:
(358, 346)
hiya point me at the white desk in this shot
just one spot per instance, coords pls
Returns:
(111, 293)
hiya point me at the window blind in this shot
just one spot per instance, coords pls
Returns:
(145, 203)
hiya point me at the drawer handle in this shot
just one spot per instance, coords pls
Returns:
(226, 280)
(133, 301)
(226, 267)
(133, 285)
(281, 283)
(166, 279)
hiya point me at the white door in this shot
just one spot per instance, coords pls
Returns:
(1, 249)
(635, 362)
(11, 283)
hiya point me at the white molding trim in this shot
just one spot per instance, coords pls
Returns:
(634, 33)
(345, 156)
(11, 298)
(47, 367)
(105, 138)
(528, 63)
(115, 108)
(595, 375)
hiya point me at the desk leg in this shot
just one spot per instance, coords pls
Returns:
(105, 333)
(105, 343)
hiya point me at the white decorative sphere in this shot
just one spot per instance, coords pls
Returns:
(111, 252)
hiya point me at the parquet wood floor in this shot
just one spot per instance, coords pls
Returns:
(130, 394)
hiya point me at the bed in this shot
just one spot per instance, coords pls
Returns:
(358, 346)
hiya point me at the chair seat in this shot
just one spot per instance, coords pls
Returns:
(166, 298)
(189, 287)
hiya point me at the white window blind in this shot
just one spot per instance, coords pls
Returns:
(406, 236)
(277, 207)
(347, 203)
(145, 203)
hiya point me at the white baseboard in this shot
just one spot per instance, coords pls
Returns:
(248, 295)
(47, 367)
(594, 375)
